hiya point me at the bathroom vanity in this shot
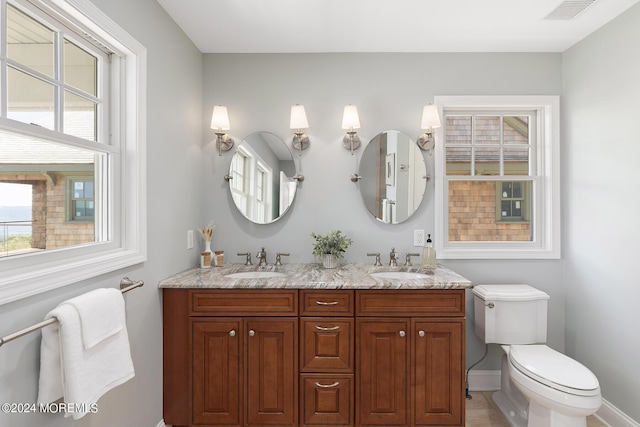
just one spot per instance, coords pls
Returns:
(299, 345)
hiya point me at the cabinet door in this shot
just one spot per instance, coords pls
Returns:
(326, 400)
(383, 372)
(217, 371)
(272, 371)
(438, 372)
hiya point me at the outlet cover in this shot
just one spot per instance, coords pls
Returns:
(190, 239)
(418, 238)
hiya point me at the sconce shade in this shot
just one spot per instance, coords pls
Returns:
(220, 118)
(430, 117)
(298, 117)
(350, 118)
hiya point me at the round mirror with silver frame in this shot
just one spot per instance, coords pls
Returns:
(392, 177)
(262, 178)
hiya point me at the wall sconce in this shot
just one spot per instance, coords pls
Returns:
(220, 122)
(430, 121)
(298, 122)
(351, 121)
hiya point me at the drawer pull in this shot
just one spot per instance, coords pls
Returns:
(321, 328)
(337, 383)
(252, 333)
(402, 334)
(232, 333)
(327, 303)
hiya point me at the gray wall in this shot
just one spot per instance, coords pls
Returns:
(390, 91)
(601, 204)
(174, 172)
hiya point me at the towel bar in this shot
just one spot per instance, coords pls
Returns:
(126, 285)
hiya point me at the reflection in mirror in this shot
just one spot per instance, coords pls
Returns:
(393, 177)
(261, 176)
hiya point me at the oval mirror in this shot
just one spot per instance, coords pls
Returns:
(393, 177)
(261, 178)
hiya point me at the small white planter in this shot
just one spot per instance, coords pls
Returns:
(329, 261)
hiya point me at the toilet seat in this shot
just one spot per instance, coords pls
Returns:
(553, 369)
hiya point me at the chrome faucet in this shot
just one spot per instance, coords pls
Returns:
(393, 258)
(262, 257)
(377, 263)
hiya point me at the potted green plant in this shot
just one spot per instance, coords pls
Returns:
(330, 247)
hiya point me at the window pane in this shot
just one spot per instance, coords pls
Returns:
(487, 130)
(29, 42)
(516, 130)
(516, 160)
(80, 68)
(47, 168)
(30, 100)
(458, 160)
(487, 160)
(80, 117)
(472, 213)
(457, 130)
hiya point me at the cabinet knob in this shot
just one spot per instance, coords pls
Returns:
(317, 384)
(232, 333)
(402, 334)
(252, 332)
(421, 333)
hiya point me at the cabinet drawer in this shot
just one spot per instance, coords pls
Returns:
(326, 303)
(423, 303)
(326, 344)
(243, 302)
(326, 400)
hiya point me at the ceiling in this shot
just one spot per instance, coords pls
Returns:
(283, 26)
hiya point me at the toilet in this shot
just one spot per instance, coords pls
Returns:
(539, 387)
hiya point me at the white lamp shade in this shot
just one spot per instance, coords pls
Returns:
(350, 118)
(430, 117)
(298, 117)
(220, 118)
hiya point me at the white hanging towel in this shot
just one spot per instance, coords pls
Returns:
(86, 353)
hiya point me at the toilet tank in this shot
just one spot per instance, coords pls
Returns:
(510, 314)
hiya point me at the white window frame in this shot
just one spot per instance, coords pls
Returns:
(546, 194)
(26, 275)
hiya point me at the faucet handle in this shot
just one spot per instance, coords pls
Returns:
(248, 255)
(377, 255)
(407, 262)
(280, 254)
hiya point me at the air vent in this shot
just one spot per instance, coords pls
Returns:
(569, 9)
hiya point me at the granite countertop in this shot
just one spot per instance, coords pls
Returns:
(314, 276)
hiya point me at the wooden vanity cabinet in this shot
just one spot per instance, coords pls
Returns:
(241, 366)
(313, 358)
(410, 358)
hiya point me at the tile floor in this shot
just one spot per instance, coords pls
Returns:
(482, 412)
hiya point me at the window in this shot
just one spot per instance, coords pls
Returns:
(497, 178)
(251, 184)
(81, 202)
(71, 117)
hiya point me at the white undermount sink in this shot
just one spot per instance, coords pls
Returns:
(254, 275)
(399, 275)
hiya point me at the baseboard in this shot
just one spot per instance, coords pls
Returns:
(614, 417)
(610, 415)
(480, 380)
(162, 424)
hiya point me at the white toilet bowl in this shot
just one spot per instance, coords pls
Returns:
(561, 391)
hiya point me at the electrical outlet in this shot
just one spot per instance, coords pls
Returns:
(418, 238)
(190, 239)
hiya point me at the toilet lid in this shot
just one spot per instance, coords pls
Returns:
(553, 369)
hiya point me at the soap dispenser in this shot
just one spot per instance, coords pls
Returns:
(429, 254)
